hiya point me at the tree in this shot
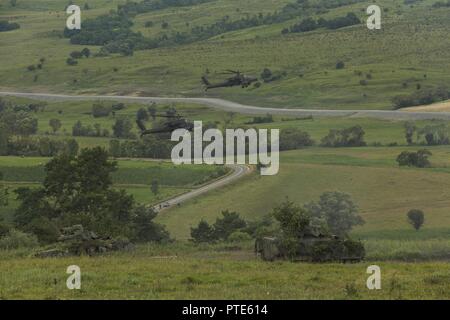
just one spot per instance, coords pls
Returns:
(417, 159)
(86, 52)
(100, 110)
(410, 129)
(294, 138)
(76, 55)
(142, 114)
(202, 233)
(122, 128)
(152, 110)
(338, 211)
(76, 190)
(416, 218)
(229, 223)
(294, 220)
(266, 74)
(71, 62)
(3, 193)
(155, 187)
(55, 124)
(340, 65)
(145, 229)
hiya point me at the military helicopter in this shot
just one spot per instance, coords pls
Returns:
(238, 79)
(174, 122)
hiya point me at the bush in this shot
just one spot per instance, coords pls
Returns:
(16, 239)
(6, 26)
(71, 62)
(350, 137)
(239, 236)
(100, 110)
(417, 159)
(76, 55)
(202, 233)
(340, 65)
(293, 138)
(229, 223)
(416, 218)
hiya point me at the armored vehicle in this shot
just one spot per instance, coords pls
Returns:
(310, 248)
(75, 240)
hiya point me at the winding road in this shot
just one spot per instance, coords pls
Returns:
(239, 171)
(245, 109)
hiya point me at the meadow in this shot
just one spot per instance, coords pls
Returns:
(407, 54)
(393, 61)
(383, 191)
(184, 271)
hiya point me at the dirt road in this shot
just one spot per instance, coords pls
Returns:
(245, 109)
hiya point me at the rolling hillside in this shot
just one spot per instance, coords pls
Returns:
(379, 65)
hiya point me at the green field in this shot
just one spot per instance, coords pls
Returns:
(135, 176)
(182, 271)
(393, 56)
(408, 55)
(383, 191)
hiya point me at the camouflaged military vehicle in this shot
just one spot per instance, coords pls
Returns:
(75, 240)
(311, 248)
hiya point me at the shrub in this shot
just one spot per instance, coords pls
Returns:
(239, 236)
(340, 65)
(71, 62)
(417, 159)
(76, 55)
(350, 137)
(416, 218)
(203, 232)
(293, 138)
(16, 239)
(100, 110)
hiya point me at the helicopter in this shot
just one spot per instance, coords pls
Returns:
(174, 122)
(238, 79)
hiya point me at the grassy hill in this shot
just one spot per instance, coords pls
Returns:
(383, 192)
(407, 52)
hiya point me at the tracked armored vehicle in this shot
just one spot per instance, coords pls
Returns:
(310, 248)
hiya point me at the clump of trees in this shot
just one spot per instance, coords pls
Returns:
(293, 138)
(417, 159)
(309, 24)
(101, 110)
(258, 120)
(434, 134)
(80, 130)
(334, 213)
(221, 230)
(8, 26)
(78, 190)
(122, 129)
(55, 124)
(147, 147)
(422, 97)
(338, 212)
(349, 137)
(268, 76)
(416, 218)
(40, 147)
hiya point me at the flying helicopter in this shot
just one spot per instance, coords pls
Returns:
(174, 122)
(238, 79)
